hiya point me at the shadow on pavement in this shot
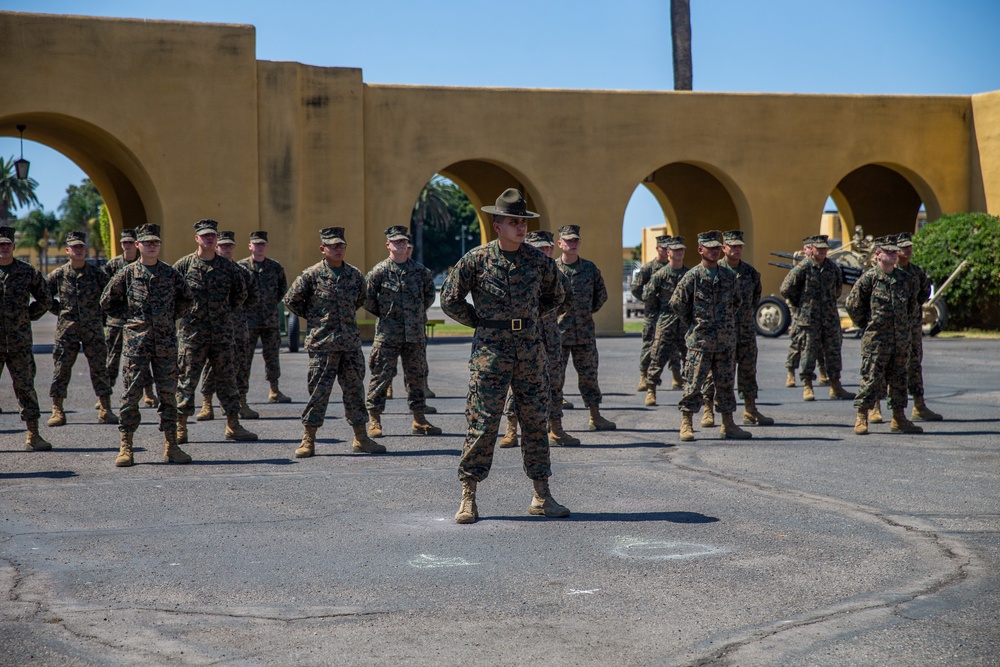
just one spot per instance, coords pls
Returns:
(627, 517)
(49, 474)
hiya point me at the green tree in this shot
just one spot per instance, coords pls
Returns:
(432, 209)
(104, 228)
(443, 245)
(14, 191)
(974, 297)
(37, 225)
(81, 211)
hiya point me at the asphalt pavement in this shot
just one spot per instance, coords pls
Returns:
(807, 545)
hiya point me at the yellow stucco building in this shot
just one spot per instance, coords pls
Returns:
(175, 122)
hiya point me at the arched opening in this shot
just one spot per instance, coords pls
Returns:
(879, 199)
(483, 181)
(123, 183)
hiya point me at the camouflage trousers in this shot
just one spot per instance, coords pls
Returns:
(325, 368)
(64, 355)
(139, 372)
(795, 351)
(191, 360)
(821, 343)
(648, 336)
(526, 378)
(270, 340)
(382, 363)
(114, 337)
(699, 365)
(20, 363)
(746, 369)
(668, 351)
(885, 366)
(241, 362)
(585, 361)
(553, 361)
(914, 369)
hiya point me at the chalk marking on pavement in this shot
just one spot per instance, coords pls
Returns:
(641, 549)
(428, 561)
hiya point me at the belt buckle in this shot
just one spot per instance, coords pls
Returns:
(515, 325)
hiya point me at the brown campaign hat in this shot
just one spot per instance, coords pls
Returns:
(332, 236)
(511, 204)
(710, 239)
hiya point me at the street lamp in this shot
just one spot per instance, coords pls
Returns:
(21, 166)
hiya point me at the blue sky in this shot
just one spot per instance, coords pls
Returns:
(918, 47)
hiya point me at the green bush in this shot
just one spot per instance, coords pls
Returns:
(973, 299)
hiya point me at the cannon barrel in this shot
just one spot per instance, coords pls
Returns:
(782, 265)
(786, 255)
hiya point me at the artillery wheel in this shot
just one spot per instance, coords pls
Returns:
(935, 318)
(293, 332)
(772, 318)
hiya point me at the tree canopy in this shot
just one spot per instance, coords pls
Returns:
(14, 192)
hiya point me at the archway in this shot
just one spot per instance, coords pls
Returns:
(123, 182)
(881, 199)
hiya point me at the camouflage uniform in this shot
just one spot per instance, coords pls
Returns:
(651, 312)
(242, 351)
(327, 299)
(206, 331)
(668, 338)
(399, 296)
(882, 305)
(507, 350)
(115, 322)
(920, 285)
(150, 299)
(706, 306)
(76, 302)
(576, 326)
(812, 290)
(262, 317)
(748, 283)
(19, 282)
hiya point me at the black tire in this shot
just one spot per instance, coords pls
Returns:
(935, 319)
(772, 318)
(293, 332)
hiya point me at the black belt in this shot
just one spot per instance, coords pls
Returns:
(509, 325)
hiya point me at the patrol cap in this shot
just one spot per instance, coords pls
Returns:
(127, 235)
(663, 241)
(6, 234)
(76, 238)
(206, 226)
(886, 244)
(539, 239)
(227, 238)
(677, 243)
(710, 239)
(569, 232)
(510, 204)
(409, 241)
(818, 241)
(258, 237)
(734, 237)
(396, 233)
(148, 232)
(332, 236)
(904, 239)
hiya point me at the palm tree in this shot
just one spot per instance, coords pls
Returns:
(680, 32)
(14, 191)
(433, 207)
(36, 226)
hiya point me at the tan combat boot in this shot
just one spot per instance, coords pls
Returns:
(421, 426)
(182, 430)
(643, 380)
(388, 393)
(374, 424)
(730, 431)
(708, 417)
(363, 444)
(234, 431)
(677, 381)
(149, 400)
(207, 412)
(171, 452)
(900, 424)
(807, 391)
(35, 441)
(822, 378)
(104, 413)
(560, 438)
(837, 391)
(687, 429)
(875, 414)
(467, 511)
(58, 417)
(599, 423)
(922, 413)
(790, 381)
(861, 422)
(246, 412)
(275, 395)
(124, 459)
(509, 438)
(308, 445)
(543, 504)
(650, 395)
(751, 415)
